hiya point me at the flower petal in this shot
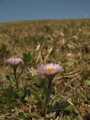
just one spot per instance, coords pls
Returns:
(50, 69)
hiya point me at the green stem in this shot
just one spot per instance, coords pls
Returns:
(14, 72)
(47, 99)
(15, 76)
(50, 84)
(45, 112)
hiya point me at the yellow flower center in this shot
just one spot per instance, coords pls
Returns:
(50, 70)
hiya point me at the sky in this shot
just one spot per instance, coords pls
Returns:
(19, 10)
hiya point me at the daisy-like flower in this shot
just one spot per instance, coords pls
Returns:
(50, 69)
(14, 61)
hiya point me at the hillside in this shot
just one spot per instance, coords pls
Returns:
(65, 42)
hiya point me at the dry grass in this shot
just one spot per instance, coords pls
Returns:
(66, 42)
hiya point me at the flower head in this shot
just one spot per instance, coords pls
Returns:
(50, 69)
(14, 61)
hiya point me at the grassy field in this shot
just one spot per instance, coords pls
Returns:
(65, 42)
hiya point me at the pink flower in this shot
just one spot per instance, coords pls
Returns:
(50, 69)
(14, 61)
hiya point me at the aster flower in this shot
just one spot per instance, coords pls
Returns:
(14, 61)
(50, 69)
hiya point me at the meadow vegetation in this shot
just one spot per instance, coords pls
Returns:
(64, 42)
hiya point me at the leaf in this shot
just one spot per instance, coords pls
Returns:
(32, 57)
(10, 79)
(21, 116)
(21, 93)
(87, 82)
(45, 82)
(27, 57)
(3, 87)
(61, 107)
(8, 94)
(56, 99)
(68, 117)
(46, 91)
(36, 96)
(35, 80)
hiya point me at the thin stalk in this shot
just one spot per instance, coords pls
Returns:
(15, 76)
(15, 73)
(47, 99)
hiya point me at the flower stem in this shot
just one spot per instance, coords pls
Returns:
(15, 76)
(47, 98)
(50, 84)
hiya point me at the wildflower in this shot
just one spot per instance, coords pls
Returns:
(50, 69)
(14, 61)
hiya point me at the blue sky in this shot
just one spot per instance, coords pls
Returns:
(17, 10)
